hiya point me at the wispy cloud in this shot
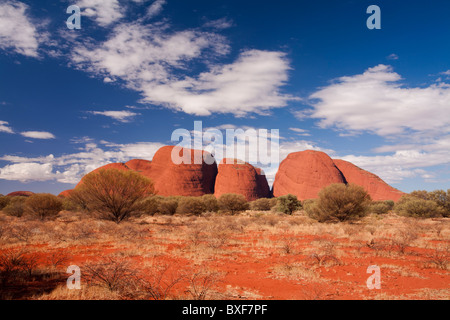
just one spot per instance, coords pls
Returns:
(219, 24)
(17, 32)
(38, 135)
(122, 116)
(4, 127)
(102, 12)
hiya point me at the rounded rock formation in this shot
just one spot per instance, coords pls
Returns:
(305, 173)
(239, 177)
(374, 185)
(20, 194)
(192, 177)
(65, 193)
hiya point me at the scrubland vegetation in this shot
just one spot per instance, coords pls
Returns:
(135, 244)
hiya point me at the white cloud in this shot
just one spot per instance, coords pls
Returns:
(27, 171)
(16, 29)
(104, 12)
(219, 24)
(38, 135)
(376, 102)
(4, 127)
(153, 61)
(393, 56)
(122, 116)
(155, 8)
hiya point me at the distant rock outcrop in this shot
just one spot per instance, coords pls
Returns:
(239, 177)
(20, 194)
(65, 193)
(305, 173)
(183, 179)
(377, 188)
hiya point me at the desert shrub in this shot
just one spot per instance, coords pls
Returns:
(70, 205)
(288, 204)
(16, 206)
(191, 205)
(233, 203)
(441, 197)
(412, 206)
(273, 202)
(43, 205)
(210, 202)
(4, 201)
(308, 206)
(115, 194)
(168, 206)
(263, 204)
(340, 202)
(381, 207)
(150, 205)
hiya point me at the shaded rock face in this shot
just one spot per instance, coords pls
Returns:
(142, 166)
(65, 193)
(20, 194)
(377, 188)
(305, 173)
(183, 179)
(241, 178)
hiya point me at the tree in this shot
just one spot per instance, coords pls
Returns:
(43, 205)
(288, 204)
(116, 194)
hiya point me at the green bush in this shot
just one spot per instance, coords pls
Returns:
(43, 205)
(150, 205)
(288, 204)
(70, 205)
(340, 202)
(441, 197)
(381, 207)
(191, 205)
(4, 201)
(210, 202)
(168, 206)
(412, 206)
(233, 203)
(263, 204)
(16, 206)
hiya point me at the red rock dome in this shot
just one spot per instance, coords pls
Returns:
(377, 188)
(240, 177)
(305, 173)
(20, 194)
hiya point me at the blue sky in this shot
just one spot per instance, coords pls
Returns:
(73, 100)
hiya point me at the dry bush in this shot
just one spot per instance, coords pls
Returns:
(210, 202)
(114, 193)
(340, 202)
(441, 197)
(16, 266)
(58, 258)
(15, 206)
(168, 206)
(403, 240)
(439, 257)
(202, 283)
(4, 201)
(412, 206)
(150, 205)
(43, 206)
(233, 203)
(263, 204)
(112, 273)
(325, 255)
(191, 205)
(160, 282)
(23, 231)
